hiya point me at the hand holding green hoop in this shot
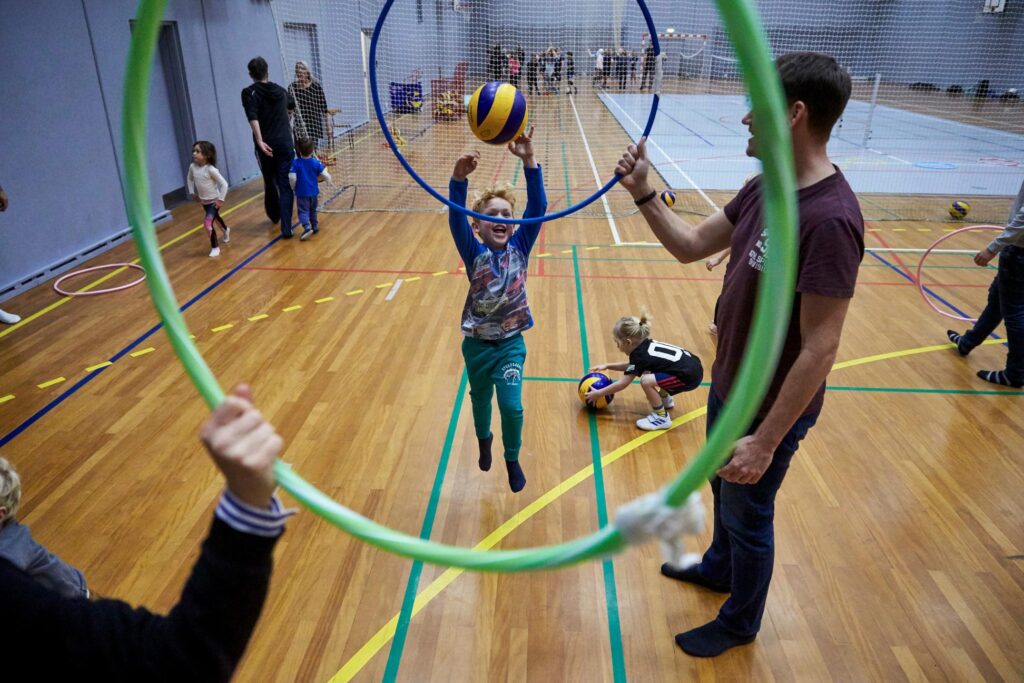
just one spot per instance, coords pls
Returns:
(775, 297)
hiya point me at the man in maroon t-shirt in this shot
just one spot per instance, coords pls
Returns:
(742, 552)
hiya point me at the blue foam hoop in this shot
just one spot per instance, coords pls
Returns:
(652, 31)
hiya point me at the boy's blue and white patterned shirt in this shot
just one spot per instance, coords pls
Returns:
(496, 305)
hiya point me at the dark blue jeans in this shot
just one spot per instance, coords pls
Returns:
(742, 552)
(1005, 304)
(278, 198)
(307, 211)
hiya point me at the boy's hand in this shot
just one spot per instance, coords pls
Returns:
(594, 394)
(632, 169)
(218, 203)
(465, 165)
(243, 445)
(712, 262)
(522, 147)
(602, 366)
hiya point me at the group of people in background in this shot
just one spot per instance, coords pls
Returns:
(542, 73)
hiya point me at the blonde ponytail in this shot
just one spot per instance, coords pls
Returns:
(632, 327)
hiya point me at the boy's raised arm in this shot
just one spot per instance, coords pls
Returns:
(458, 189)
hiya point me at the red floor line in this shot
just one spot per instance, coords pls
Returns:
(585, 277)
(895, 256)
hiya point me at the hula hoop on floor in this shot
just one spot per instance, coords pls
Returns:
(920, 266)
(62, 278)
(651, 30)
(771, 318)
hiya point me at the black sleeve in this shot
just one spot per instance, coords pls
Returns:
(321, 100)
(201, 639)
(249, 104)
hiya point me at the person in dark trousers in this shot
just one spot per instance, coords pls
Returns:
(532, 67)
(267, 107)
(741, 556)
(1005, 301)
(48, 637)
(647, 75)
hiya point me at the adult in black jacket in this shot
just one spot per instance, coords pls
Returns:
(267, 107)
(46, 637)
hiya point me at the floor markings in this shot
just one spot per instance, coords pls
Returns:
(259, 316)
(222, 327)
(291, 308)
(51, 382)
(394, 289)
(93, 368)
(142, 352)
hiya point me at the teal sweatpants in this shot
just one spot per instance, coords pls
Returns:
(497, 365)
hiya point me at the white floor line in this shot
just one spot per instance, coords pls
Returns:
(972, 252)
(394, 288)
(669, 159)
(597, 176)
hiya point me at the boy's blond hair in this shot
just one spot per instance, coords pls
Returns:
(632, 327)
(501, 191)
(10, 489)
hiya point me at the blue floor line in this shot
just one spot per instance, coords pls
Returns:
(10, 436)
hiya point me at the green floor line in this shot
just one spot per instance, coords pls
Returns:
(611, 595)
(405, 615)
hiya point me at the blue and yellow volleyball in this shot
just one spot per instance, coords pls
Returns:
(959, 209)
(669, 198)
(497, 113)
(594, 380)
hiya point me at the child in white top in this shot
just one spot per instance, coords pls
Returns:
(208, 187)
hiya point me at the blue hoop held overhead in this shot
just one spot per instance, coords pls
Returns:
(462, 209)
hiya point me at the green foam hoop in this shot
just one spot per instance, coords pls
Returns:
(775, 299)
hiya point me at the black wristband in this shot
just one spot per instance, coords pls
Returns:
(646, 198)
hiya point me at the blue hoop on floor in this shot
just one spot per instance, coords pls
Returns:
(462, 209)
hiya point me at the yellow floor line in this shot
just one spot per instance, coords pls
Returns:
(51, 382)
(142, 352)
(354, 292)
(5, 399)
(60, 302)
(387, 632)
(413, 279)
(324, 300)
(222, 327)
(383, 285)
(260, 316)
(440, 272)
(291, 308)
(104, 364)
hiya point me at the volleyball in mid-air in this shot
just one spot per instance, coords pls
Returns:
(497, 113)
(669, 198)
(959, 209)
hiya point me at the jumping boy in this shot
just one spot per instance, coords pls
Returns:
(496, 312)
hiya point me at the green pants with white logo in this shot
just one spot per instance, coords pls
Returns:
(497, 365)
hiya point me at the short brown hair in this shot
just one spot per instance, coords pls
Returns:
(304, 146)
(817, 80)
(258, 68)
(502, 192)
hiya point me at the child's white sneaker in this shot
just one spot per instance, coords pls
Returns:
(227, 236)
(9, 318)
(307, 232)
(668, 402)
(215, 252)
(653, 422)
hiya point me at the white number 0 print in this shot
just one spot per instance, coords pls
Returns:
(666, 351)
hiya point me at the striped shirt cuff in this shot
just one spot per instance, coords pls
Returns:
(267, 522)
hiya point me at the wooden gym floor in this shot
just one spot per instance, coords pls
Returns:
(900, 529)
